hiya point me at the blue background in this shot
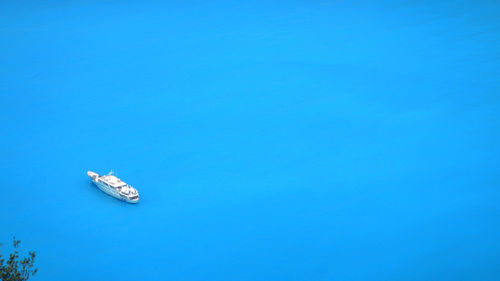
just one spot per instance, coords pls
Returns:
(293, 140)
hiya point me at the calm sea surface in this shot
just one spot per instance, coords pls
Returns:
(292, 140)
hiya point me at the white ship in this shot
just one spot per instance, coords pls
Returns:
(113, 186)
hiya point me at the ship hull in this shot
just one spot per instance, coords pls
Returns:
(112, 192)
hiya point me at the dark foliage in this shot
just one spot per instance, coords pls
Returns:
(16, 269)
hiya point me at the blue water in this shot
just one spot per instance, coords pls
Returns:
(292, 140)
